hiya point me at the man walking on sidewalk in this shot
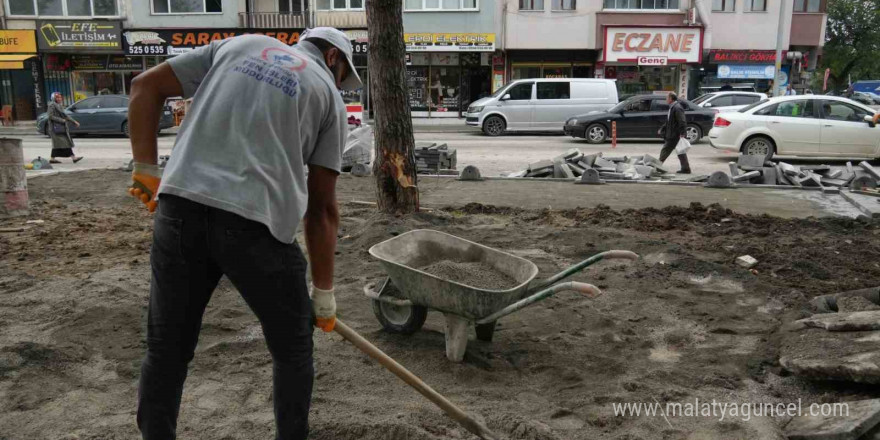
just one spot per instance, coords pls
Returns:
(673, 130)
(230, 201)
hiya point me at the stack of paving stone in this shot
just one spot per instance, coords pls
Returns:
(753, 169)
(433, 158)
(573, 163)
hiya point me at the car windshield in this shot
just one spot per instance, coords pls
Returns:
(703, 98)
(751, 106)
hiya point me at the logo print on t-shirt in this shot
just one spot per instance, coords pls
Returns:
(284, 58)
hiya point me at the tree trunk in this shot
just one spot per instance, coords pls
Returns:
(394, 167)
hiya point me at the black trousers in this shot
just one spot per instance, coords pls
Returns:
(193, 246)
(669, 148)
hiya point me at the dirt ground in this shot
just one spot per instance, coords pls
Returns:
(682, 323)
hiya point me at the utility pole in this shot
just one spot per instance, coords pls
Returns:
(780, 35)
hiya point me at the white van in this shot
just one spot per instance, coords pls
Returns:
(540, 104)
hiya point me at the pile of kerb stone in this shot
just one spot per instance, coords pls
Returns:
(434, 158)
(574, 164)
(755, 170)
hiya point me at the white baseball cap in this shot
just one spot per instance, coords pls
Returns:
(338, 39)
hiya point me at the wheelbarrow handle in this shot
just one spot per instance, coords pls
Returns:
(617, 254)
(412, 380)
(587, 289)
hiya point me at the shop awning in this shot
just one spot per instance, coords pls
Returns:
(14, 62)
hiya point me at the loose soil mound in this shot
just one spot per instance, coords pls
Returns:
(681, 323)
(474, 273)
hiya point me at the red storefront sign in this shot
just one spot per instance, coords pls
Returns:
(721, 56)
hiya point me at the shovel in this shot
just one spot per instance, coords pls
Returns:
(453, 411)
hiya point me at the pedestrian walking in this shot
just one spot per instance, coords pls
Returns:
(789, 91)
(229, 203)
(57, 125)
(674, 130)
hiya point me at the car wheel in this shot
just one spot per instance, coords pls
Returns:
(596, 134)
(693, 133)
(759, 146)
(494, 126)
(125, 129)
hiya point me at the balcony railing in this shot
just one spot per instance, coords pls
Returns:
(267, 20)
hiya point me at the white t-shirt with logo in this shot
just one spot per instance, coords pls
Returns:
(261, 112)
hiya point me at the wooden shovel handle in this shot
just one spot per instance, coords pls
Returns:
(412, 380)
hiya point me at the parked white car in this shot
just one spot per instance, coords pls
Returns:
(728, 101)
(805, 125)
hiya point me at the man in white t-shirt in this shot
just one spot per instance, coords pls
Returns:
(229, 203)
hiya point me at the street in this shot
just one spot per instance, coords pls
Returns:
(494, 156)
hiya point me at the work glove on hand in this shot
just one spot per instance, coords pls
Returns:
(324, 305)
(145, 184)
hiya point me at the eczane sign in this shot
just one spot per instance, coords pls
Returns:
(632, 44)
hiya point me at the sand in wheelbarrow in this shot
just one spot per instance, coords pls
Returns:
(471, 273)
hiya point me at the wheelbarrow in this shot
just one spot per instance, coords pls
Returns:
(401, 301)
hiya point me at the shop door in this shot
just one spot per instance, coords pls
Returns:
(474, 85)
(23, 104)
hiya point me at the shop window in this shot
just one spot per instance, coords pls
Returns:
(187, 6)
(641, 4)
(557, 72)
(340, 5)
(759, 5)
(531, 5)
(564, 5)
(808, 6)
(440, 5)
(724, 5)
(520, 92)
(554, 90)
(417, 82)
(295, 6)
(526, 72)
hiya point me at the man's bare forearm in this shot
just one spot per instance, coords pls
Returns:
(148, 93)
(321, 226)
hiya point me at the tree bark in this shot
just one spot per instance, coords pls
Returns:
(394, 167)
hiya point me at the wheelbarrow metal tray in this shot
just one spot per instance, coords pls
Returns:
(402, 256)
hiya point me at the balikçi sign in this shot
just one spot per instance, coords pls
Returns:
(720, 56)
(677, 44)
(79, 36)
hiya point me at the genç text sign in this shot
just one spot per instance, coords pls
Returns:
(676, 44)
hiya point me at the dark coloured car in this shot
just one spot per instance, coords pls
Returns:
(103, 114)
(639, 117)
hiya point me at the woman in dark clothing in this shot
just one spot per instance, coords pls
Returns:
(62, 144)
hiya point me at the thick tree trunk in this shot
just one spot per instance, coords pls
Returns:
(394, 167)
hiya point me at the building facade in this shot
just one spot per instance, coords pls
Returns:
(450, 47)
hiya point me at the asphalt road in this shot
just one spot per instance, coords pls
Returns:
(493, 156)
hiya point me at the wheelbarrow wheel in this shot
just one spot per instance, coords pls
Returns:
(404, 320)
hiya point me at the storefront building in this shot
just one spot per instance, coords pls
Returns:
(445, 72)
(154, 45)
(738, 69)
(651, 59)
(21, 85)
(83, 58)
(451, 55)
